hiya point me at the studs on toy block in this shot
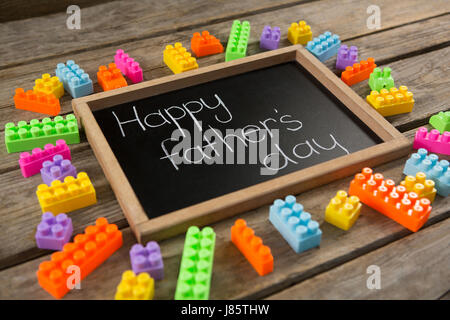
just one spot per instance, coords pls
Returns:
(39, 102)
(128, 66)
(346, 57)
(205, 44)
(76, 82)
(135, 287)
(420, 185)
(238, 40)
(392, 101)
(299, 33)
(57, 169)
(343, 211)
(358, 72)
(110, 77)
(49, 85)
(178, 59)
(441, 121)
(147, 259)
(325, 46)
(53, 232)
(270, 38)
(381, 79)
(432, 141)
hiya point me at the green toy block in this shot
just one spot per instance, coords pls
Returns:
(36, 134)
(381, 80)
(238, 40)
(441, 121)
(194, 279)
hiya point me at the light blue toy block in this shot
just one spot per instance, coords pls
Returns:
(325, 46)
(294, 224)
(74, 79)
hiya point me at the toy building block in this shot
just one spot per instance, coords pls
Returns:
(147, 259)
(432, 141)
(49, 85)
(76, 82)
(25, 137)
(53, 232)
(37, 102)
(381, 79)
(325, 46)
(194, 279)
(358, 72)
(128, 66)
(441, 121)
(252, 247)
(270, 38)
(87, 251)
(178, 59)
(392, 201)
(346, 57)
(392, 101)
(238, 40)
(57, 169)
(299, 33)
(343, 211)
(421, 185)
(110, 77)
(72, 194)
(135, 287)
(205, 44)
(294, 224)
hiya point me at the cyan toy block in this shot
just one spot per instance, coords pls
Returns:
(147, 259)
(238, 40)
(57, 169)
(441, 121)
(76, 82)
(381, 79)
(346, 57)
(270, 38)
(325, 46)
(294, 224)
(53, 232)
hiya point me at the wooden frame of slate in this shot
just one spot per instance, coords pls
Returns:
(394, 145)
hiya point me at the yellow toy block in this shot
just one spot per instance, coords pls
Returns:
(132, 287)
(178, 59)
(299, 33)
(70, 195)
(48, 84)
(418, 184)
(393, 101)
(342, 211)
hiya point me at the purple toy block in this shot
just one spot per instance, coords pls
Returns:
(53, 232)
(57, 170)
(270, 38)
(346, 57)
(147, 259)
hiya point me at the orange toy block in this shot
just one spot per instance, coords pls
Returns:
(110, 78)
(37, 102)
(252, 247)
(359, 72)
(87, 252)
(205, 44)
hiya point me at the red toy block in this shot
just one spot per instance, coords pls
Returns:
(37, 102)
(110, 78)
(392, 201)
(205, 44)
(359, 72)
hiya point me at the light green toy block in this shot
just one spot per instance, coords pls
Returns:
(441, 121)
(381, 80)
(238, 40)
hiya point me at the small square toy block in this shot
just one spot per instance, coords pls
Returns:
(57, 169)
(205, 44)
(299, 33)
(325, 46)
(49, 85)
(72, 194)
(36, 134)
(432, 141)
(421, 185)
(441, 121)
(37, 102)
(259, 255)
(343, 211)
(128, 66)
(294, 224)
(238, 40)
(358, 72)
(110, 77)
(54, 231)
(178, 59)
(392, 201)
(135, 287)
(147, 259)
(76, 82)
(392, 101)
(194, 279)
(87, 251)
(346, 57)
(381, 79)
(270, 38)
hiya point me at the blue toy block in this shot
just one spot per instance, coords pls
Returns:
(325, 46)
(74, 79)
(294, 224)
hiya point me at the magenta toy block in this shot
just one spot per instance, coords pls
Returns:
(270, 38)
(53, 232)
(346, 57)
(147, 259)
(128, 66)
(31, 164)
(432, 141)
(57, 169)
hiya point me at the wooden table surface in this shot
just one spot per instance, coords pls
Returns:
(413, 40)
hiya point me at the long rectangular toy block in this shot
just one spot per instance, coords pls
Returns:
(178, 59)
(128, 66)
(238, 40)
(299, 33)
(147, 259)
(87, 251)
(76, 82)
(358, 72)
(381, 79)
(270, 38)
(392, 101)
(57, 169)
(49, 85)
(252, 247)
(194, 279)
(421, 185)
(37, 102)
(72, 194)
(110, 77)
(392, 201)
(432, 141)
(36, 134)
(441, 121)
(346, 57)
(325, 46)
(205, 44)
(343, 211)
(294, 224)
(135, 287)
(53, 232)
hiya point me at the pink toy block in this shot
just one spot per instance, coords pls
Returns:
(128, 66)
(31, 164)
(432, 141)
